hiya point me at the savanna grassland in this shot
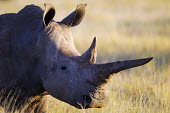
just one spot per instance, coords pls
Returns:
(125, 29)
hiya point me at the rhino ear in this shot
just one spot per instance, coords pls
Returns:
(75, 17)
(48, 14)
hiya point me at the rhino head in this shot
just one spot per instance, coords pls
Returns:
(67, 75)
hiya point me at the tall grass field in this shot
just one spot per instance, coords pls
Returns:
(125, 29)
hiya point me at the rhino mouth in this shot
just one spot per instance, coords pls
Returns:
(91, 101)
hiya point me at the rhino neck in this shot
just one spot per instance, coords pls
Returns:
(27, 75)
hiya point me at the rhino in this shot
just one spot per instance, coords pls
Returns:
(38, 58)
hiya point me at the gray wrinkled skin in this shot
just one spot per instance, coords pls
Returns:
(38, 58)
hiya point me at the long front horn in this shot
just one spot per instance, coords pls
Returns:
(105, 71)
(90, 55)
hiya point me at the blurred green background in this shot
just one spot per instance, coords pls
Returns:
(125, 29)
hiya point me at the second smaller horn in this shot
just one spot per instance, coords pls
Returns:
(90, 55)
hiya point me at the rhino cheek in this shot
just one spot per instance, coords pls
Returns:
(59, 89)
(53, 87)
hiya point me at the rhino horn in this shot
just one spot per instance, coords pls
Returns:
(103, 72)
(75, 17)
(90, 55)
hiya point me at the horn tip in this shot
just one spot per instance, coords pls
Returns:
(149, 59)
(146, 60)
(94, 39)
(94, 42)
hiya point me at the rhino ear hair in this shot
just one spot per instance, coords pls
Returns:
(49, 14)
(75, 17)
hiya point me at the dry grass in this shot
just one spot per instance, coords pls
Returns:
(125, 30)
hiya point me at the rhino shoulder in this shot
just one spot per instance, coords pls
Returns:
(6, 23)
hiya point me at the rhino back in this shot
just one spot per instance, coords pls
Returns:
(17, 33)
(6, 23)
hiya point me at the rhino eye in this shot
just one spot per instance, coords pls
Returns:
(63, 68)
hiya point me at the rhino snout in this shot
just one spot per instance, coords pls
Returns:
(92, 101)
